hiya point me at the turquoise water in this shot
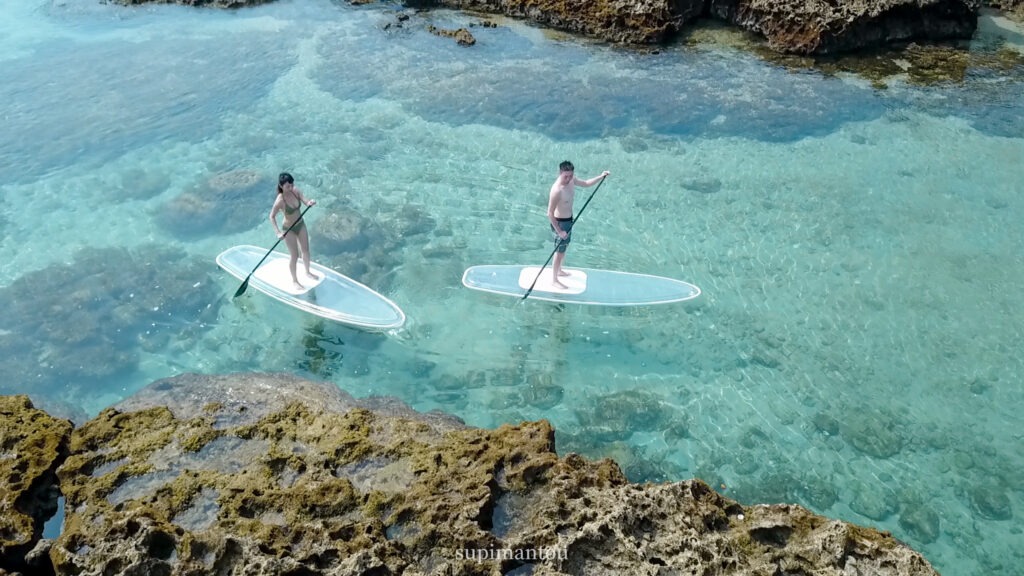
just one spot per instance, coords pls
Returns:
(855, 348)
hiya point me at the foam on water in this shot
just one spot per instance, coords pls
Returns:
(855, 347)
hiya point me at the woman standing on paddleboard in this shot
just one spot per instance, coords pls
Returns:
(290, 200)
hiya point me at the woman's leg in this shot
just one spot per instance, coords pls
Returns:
(293, 252)
(304, 244)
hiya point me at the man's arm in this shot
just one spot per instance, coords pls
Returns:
(593, 180)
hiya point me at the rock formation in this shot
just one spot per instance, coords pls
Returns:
(790, 26)
(622, 21)
(1013, 7)
(270, 474)
(805, 27)
(32, 445)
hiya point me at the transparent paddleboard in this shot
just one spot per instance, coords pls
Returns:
(583, 285)
(333, 297)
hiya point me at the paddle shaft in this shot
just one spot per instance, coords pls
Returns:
(245, 284)
(562, 240)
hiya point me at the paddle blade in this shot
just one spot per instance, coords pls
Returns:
(241, 289)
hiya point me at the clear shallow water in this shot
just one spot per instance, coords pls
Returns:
(855, 349)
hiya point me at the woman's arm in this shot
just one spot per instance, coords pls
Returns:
(273, 213)
(302, 198)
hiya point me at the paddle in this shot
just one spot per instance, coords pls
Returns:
(562, 240)
(245, 284)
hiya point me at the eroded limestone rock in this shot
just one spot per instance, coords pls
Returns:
(32, 445)
(807, 27)
(790, 26)
(266, 474)
(623, 21)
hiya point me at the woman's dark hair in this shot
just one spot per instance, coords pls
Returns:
(284, 178)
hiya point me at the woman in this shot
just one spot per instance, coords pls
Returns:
(290, 200)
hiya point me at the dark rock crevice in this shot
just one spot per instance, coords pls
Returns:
(32, 447)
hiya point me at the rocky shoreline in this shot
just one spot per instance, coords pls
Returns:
(800, 27)
(272, 474)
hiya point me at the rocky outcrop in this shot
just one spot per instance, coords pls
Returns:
(790, 26)
(32, 445)
(1013, 7)
(810, 27)
(269, 474)
(200, 3)
(623, 21)
(462, 36)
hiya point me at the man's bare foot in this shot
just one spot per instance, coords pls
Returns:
(558, 284)
(563, 273)
(311, 275)
(297, 286)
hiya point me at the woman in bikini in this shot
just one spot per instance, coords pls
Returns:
(290, 200)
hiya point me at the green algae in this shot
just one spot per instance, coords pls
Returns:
(32, 445)
(918, 65)
(329, 485)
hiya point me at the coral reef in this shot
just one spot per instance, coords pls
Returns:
(343, 230)
(225, 203)
(87, 321)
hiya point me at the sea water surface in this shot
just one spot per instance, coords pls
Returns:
(856, 349)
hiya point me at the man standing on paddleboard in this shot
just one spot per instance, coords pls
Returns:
(563, 192)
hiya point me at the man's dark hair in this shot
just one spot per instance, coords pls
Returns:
(566, 167)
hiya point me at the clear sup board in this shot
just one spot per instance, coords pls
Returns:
(582, 285)
(333, 296)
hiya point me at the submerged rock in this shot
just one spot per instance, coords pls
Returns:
(344, 231)
(86, 321)
(990, 501)
(462, 36)
(224, 203)
(271, 474)
(921, 521)
(32, 445)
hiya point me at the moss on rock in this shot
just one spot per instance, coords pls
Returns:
(32, 445)
(375, 488)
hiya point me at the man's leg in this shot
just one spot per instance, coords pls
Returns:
(556, 270)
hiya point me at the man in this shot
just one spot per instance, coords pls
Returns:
(563, 192)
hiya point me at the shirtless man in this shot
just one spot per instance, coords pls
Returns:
(563, 192)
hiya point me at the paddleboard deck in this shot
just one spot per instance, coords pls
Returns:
(276, 273)
(574, 283)
(585, 285)
(333, 297)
